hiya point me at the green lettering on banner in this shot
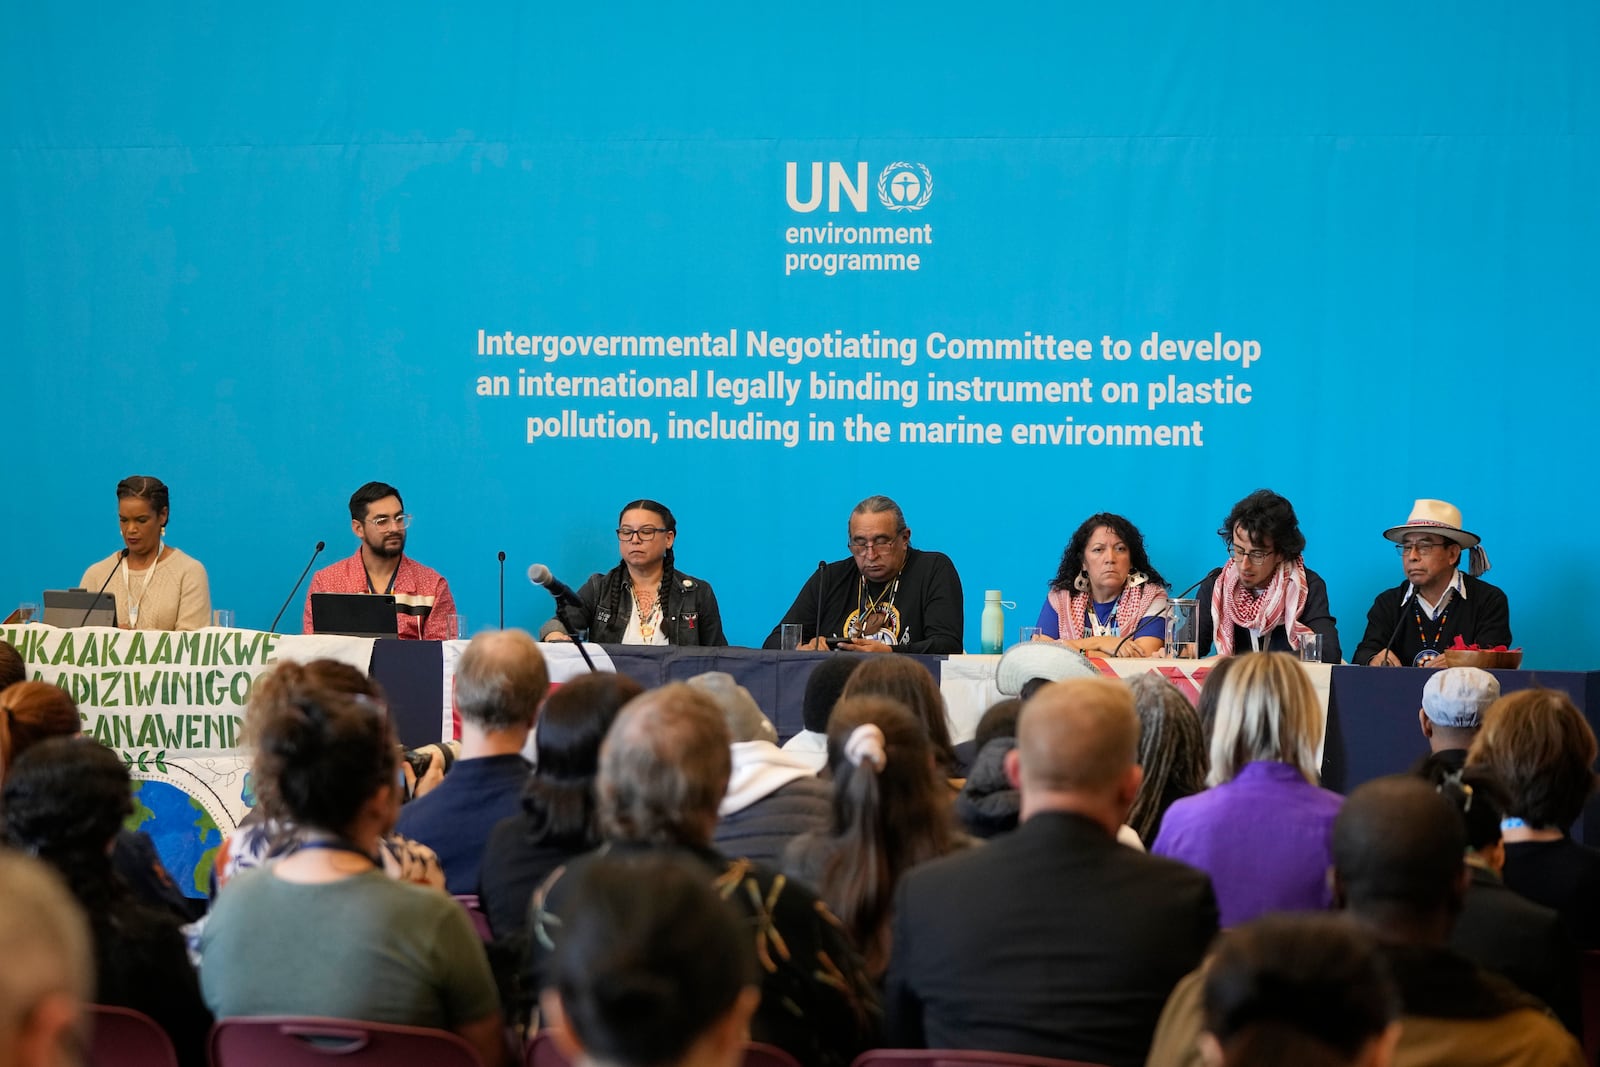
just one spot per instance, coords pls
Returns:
(191, 724)
(63, 650)
(111, 649)
(136, 650)
(89, 656)
(121, 730)
(169, 738)
(144, 694)
(79, 687)
(102, 730)
(241, 696)
(149, 735)
(186, 648)
(162, 653)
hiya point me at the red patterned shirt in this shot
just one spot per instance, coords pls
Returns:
(419, 593)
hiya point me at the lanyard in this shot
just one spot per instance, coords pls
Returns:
(336, 844)
(127, 586)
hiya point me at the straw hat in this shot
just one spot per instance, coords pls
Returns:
(1040, 659)
(1442, 518)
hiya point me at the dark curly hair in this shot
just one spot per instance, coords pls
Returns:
(1269, 519)
(1072, 559)
(618, 576)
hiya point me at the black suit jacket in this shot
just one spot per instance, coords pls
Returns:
(929, 600)
(1316, 614)
(1517, 939)
(1482, 617)
(1052, 940)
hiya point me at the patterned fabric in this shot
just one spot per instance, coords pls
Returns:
(1135, 603)
(1279, 604)
(423, 604)
(251, 845)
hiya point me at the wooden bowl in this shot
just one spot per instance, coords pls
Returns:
(1457, 657)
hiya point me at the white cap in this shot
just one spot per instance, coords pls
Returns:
(1456, 697)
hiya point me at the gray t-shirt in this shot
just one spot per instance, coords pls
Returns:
(367, 948)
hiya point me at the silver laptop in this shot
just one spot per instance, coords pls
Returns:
(68, 607)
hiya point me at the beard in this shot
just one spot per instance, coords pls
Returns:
(383, 548)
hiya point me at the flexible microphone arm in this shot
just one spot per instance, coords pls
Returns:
(90, 609)
(314, 554)
(502, 590)
(822, 578)
(540, 575)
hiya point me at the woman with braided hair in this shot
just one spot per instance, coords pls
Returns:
(156, 586)
(644, 600)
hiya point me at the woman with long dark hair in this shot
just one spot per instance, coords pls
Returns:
(644, 599)
(1106, 599)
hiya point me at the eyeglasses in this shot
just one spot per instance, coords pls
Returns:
(643, 533)
(1421, 548)
(1255, 555)
(383, 522)
(859, 545)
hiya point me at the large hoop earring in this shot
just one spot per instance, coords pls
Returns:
(1081, 582)
(1137, 578)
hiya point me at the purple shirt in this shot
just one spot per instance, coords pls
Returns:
(1264, 838)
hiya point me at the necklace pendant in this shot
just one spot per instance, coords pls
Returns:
(646, 630)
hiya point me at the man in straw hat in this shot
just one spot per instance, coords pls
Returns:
(1418, 619)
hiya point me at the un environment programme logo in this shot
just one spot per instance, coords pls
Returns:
(855, 246)
(905, 186)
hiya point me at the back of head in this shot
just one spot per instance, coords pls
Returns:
(1537, 744)
(823, 687)
(664, 768)
(1455, 698)
(65, 799)
(999, 721)
(12, 669)
(321, 751)
(559, 797)
(500, 680)
(650, 958)
(1266, 710)
(1077, 736)
(1313, 983)
(1205, 705)
(904, 679)
(30, 712)
(740, 712)
(49, 971)
(1171, 750)
(1397, 850)
(1474, 793)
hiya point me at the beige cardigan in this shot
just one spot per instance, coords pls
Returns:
(179, 597)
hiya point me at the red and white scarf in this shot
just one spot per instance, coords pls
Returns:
(1279, 604)
(1073, 608)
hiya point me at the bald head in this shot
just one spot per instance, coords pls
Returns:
(664, 768)
(500, 680)
(1077, 736)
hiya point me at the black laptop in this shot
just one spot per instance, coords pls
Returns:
(354, 614)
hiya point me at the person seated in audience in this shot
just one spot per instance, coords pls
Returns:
(1498, 928)
(1306, 990)
(499, 682)
(1053, 940)
(913, 685)
(1264, 597)
(269, 831)
(322, 931)
(12, 669)
(653, 970)
(1453, 702)
(772, 796)
(891, 811)
(1263, 760)
(1418, 619)
(1172, 753)
(64, 801)
(887, 597)
(557, 820)
(1106, 598)
(644, 599)
(31, 712)
(156, 586)
(988, 803)
(48, 976)
(823, 686)
(1538, 746)
(1398, 871)
(1205, 705)
(664, 769)
(1023, 668)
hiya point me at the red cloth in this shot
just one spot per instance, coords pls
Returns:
(418, 592)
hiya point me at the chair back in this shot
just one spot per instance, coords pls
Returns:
(123, 1037)
(903, 1057)
(1589, 989)
(304, 1041)
(543, 1051)
(475, 912)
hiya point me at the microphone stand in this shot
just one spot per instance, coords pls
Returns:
(822, 578)
(502, 590)
(314, 554)
(572, 632)
(121, 556)
(1388, 646)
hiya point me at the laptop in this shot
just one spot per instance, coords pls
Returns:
(354, 614)
(67, 607)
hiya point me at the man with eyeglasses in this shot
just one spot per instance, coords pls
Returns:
(422, 600)
(886, 597)
(1413, 623)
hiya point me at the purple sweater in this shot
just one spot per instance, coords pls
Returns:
(1264, 838)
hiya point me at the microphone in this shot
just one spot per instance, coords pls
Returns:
(90, 609)
(314, 554)
(539, 574)
(502, 590)
(1411, 594)
(1210, 574)
(822, 577)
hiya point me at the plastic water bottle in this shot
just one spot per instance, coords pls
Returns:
(993, 629)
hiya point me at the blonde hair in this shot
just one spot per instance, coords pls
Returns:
(1266, 710)
(44, 940)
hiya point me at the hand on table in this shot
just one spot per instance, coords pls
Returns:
(865, 646)
(558, 635)
(1386, 658)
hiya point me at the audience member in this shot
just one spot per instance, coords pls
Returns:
(65, 799)
(1172, 753)
(12, 669)
(891, 811)
(499, 682)
(913, 685)
(653, 969)
(49, 970)
(1263, 759)
(772, 796)
(664, 769)
(1052, 940)
(1026, 665)
(1499, 929)
(322, 931)
(998, 720)
(1538, 746)
(558, 820)
(988, 803)
(823, 686)
(1300, 989)
(1453, 702)
(1205, 706)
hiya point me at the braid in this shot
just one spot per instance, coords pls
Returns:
(1171, 750)
(668, 572)
(615, 580)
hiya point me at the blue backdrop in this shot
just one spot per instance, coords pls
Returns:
(250, 251)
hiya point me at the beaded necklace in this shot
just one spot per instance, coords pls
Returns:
(1432, 643)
